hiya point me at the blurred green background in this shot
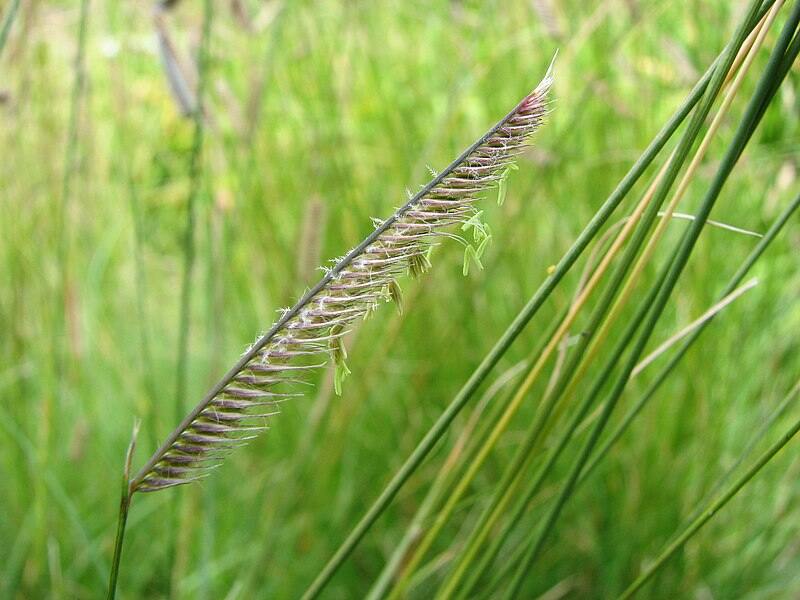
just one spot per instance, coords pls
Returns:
(319, 115)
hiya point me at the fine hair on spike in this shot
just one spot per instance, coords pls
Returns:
(311, 334)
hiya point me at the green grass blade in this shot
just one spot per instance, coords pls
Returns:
(515, 328)
(8, 21)
(737, 278)
(195, 185)
(670, 277)
(712, 509)
(525, 498)
(504, 490)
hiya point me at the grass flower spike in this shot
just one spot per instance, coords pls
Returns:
(310, 333)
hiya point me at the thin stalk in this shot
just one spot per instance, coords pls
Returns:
(122, 520)
(788, 61)
(515, 328)
(600, 319)
(712, 509)
(505, 489)
(195, 185)
(734, 282)
(524, 454)
(179, 548)
(505, 420)
(519, 509)
(8, 20)
(528, 450)
(442, 483)
(546, 407)
(667, 282)
(436, 492)
(755, 37)
(748, 53)
(510, 480)
(745, 56)
(124, 506)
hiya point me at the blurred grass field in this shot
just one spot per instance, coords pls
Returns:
(319, 116)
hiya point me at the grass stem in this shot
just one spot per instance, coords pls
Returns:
(712, 509)
(600, 322)
(504, 342)
(662, 290)
(122, 520)
(8, 21)
(195, 185)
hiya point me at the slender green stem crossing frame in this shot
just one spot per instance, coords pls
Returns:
(650, 311)
(525, 499)
(524, 455)
(526, 314)
(124, 506)
(712, 509)
(8, 21)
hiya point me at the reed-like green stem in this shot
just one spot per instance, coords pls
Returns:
(503, 495)
(439, 489)
(545, 414)
(534, 436)
(195, 185)
(525, 498)
(531, 440)
(122, 520)
(8, 21)
(663, 289)
(735, 280)
(501, 346)
(712, 509)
